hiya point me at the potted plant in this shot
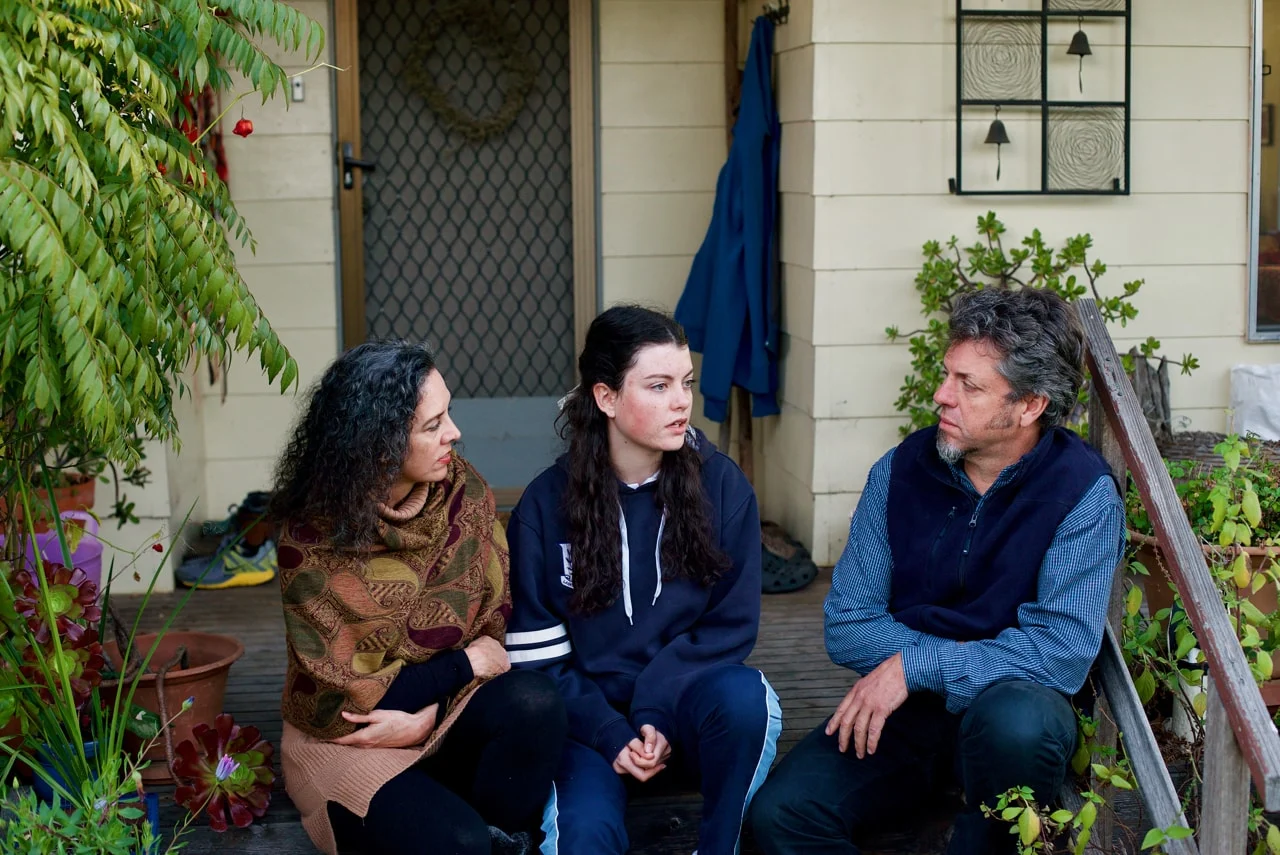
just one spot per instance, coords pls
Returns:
(184, 688)
(1235, 509)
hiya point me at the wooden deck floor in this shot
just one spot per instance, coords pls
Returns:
(790, 652)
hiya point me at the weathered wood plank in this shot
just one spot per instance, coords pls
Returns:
(1104, 439)
(1249, 720)
(1154, 784)
(1225, 812)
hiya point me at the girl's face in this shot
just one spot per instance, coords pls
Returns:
(651, 410)
(432, 434)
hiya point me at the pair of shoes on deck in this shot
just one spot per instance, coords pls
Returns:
(236, 564)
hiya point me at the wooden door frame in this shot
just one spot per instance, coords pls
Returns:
(582, 101)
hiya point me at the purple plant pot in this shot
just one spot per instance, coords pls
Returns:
(87, 555)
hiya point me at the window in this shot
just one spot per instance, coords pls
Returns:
(1264, 296)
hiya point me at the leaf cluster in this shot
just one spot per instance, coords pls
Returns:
(949, 270)
(117, 245)
(31, 827)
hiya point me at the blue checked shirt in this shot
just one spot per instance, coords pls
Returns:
(1057, 636)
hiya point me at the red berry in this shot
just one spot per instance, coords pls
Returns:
(157, 547)
(163, 169)
(243, 128)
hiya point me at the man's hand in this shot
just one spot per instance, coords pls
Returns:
(868, 705)
(656, 748)
(625, 763)
(390, 728)
(488, 657)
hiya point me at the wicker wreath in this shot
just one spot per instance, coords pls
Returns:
(488, 34)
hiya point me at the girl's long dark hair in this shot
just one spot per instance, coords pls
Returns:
(348, 447)
(689, 547)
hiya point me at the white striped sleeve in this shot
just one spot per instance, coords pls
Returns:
(538, 645)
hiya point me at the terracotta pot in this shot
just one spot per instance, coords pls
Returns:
(72, 497)
(1150, 556)
(209, 659)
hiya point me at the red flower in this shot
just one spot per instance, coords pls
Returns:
(73, 599)
(225, 771)
(243, 128)
(158, 547)
(162, 168)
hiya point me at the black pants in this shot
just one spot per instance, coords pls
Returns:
(494, 768)
(1014, 734)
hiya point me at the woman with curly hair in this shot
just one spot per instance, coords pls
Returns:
(636, 586)
(404, 728)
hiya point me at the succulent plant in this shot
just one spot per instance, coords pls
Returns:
(81, 660)
(224, 770)
(73, 600)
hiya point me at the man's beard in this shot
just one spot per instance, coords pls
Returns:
(952, 454)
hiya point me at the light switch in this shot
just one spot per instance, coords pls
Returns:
(297, 92)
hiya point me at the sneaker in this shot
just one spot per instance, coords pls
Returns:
(232, 566)
(248, 518)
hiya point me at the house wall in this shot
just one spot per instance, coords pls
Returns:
(866, 97)
(283, 181)
(882, 105)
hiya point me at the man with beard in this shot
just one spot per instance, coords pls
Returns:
(972, 595)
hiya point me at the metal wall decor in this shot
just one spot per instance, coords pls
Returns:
(1014, 65)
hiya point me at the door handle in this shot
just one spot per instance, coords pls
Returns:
(350, 162)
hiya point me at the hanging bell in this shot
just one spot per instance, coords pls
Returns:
(997, 136)
(1080, 47)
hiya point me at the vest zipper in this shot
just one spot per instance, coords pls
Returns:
(937, 541)
(968, 541)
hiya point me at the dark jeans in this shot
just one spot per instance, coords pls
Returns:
(1014, 734)
(494, 768)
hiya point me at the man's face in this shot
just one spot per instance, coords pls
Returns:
(973, 403)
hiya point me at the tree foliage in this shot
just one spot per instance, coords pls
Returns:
(117, 264)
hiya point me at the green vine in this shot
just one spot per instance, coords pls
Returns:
(488, 34)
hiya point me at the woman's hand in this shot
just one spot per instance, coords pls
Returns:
(625, 763)
(488, 657)
(656, 748)
(390, 728)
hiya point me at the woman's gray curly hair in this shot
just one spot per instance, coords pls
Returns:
(1038, 338)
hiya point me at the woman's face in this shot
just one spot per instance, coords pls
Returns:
(651, 410)
(432, 434)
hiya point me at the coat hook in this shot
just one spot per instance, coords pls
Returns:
(777, 12)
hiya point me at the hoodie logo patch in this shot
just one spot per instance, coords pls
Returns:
(566, 578)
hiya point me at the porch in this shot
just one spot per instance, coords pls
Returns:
(790, 652)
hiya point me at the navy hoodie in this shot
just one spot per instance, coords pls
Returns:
(626, 666)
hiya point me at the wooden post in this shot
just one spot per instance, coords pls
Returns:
(1104, 439)
(1224, 811)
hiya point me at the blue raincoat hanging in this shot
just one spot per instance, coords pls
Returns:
(729, 307)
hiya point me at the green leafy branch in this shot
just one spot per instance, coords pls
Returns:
(950, 270)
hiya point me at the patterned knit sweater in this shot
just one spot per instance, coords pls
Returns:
(436, 582)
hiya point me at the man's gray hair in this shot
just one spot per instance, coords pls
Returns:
(1036, 335)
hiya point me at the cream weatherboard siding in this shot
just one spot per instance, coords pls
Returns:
(882, 108)
(866, 96)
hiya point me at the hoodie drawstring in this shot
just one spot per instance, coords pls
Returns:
(626, 563)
